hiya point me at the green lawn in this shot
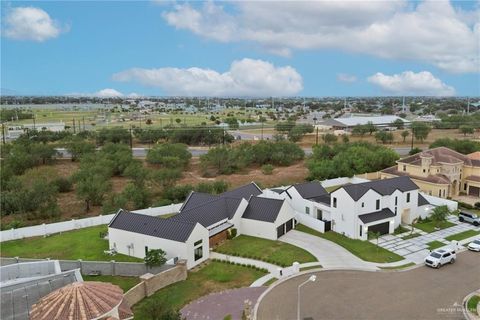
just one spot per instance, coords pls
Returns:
(214, 277)
(411, 236)
(435, 244)
(462, 235)
(126, 283)
(365, 250)
(270, 282)
(276, 252)
(429, 226)
(472, 304)
(83, 244)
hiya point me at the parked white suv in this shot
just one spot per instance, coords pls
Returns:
(438, 258)
(474, 245)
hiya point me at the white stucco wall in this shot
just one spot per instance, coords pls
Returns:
(120, 239)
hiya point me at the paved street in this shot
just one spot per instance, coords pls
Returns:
(422, 293)
(416, 249)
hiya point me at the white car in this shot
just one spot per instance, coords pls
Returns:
(438, 258)
(474, 245)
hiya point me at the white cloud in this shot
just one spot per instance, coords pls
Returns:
(431, 31)
(348, 78)
(108, 93)
(30, 23)
(410, 83)
(245, 77)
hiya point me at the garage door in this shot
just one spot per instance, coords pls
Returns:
(289, 225)
(474, 191)
(381, 227)
(280, 230)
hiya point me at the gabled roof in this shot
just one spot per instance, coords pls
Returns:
(197, 198)
(310, 190)
(422, 201)
(244, 192)
(376, 216)
(383, 187)
(263, 209)
(440, 155)
(169, 228)
(210, 212)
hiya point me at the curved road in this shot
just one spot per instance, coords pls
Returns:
(422, 293)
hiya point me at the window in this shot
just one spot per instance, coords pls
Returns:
(404, 168)
(361, 228)
(408, 197)
(363, 204)
(439, 193)
(197, 242)
(395, 210)
(146, 250)
(198, 253)
(396, 201)
(319, 214)
(424, 170)
(465, 187)
(334, 202)
(377, 204)
(307, 210)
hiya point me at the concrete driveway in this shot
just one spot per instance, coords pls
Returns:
(328, 253)
(422, 293)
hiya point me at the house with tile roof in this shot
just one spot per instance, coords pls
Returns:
(440, 172)
(203, 221)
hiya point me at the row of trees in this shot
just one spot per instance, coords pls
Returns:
(230, 159)
(348, 159)
(294, 131)
(462, 146)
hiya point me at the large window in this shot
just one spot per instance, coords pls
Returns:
(334, 202)
(307, 210)
(408, 197)
(396, 200)
(198, 253)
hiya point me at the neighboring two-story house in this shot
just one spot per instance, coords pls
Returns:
(440, 172)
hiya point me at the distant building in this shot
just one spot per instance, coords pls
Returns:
(349, 123)
(440, 172)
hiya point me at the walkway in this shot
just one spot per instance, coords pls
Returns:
(328, 253)
(218, 305)
(416, 249)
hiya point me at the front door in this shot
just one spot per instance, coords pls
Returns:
(319, 214)
(328, 225)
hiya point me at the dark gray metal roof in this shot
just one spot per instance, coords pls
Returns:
(378, 215)
(244, 192)
(206, 214)
(196, 199)
(325, 199)
(383, 187)
(421, 200)
(263, 209)
(310, 190)
(169, 228)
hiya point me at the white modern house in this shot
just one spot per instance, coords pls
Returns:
(205, 220)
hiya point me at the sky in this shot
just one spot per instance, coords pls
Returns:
(241, 49)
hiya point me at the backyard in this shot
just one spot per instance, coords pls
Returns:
(126, 283)
(213, 277)
(365, 250)
(83, 244)
(275, 252)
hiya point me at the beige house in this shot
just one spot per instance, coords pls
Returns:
(439, 172)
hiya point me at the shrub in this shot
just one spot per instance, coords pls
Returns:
(155, 257)
(477, 205)
(267, 169)
(63, 184)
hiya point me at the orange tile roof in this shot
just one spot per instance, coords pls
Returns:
(474, 155)
(78, 301)
(440, 155)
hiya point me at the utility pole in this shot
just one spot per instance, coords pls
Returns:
(34, 127)
(262, 130)
(3, 133)
(413, 133)
(83, 123)
(74, 126)
(316, 138)
(131, 138)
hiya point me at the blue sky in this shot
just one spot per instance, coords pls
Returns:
(147, 48)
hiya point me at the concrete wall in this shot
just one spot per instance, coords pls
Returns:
(51, 228)
(106, 268)
(152, 283)
(310, 222)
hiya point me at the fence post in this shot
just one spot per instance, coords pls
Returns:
(112, 264)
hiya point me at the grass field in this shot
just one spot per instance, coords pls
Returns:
(429, 226)
(434, 245)
(126, 283)
(83, 244)
(365, 250)
(462, 235)
(214, 277)
(276, 252)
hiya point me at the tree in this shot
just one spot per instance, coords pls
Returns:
(232, 123)
(439, 215)
(420, 130)
(92, 183)
(178, 120)
(169, 155)
(78, 147)
(398, 123)
(384, 136)
(329, 138)
(284, 126)
(370, 127)
(113, 135)
(156, 310)
(405, 134)
(463, 146)
(359, 130)
(466, 129)
(155, 257)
